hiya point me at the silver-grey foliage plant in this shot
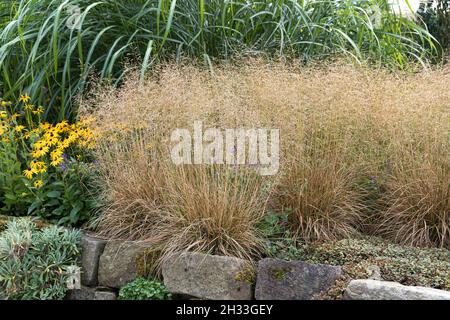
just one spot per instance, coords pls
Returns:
(33, 261)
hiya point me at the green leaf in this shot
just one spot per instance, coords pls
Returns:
(54, 194)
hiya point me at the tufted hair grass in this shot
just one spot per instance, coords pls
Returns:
(362, 151)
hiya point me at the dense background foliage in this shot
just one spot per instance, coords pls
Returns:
(436, 14)
(43, 54)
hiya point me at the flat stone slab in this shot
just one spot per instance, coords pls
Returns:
(385, 290)
(208, 277)
(293, 280)
(91, 250)
(122, 262)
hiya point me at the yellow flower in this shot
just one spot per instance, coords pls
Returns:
(3, 128)
(5, 139)
(39, 110)
(62, 126)
(44, 125)
(56, 153)
(24, 98)
(5, 103)
(38, 184)
(28, 173)
(3, 115)
(38, 166)
(57, 161)
(28, 106)
(19, 128)
(52, 141)
(64, 144)
(15, 116)
(39, 151)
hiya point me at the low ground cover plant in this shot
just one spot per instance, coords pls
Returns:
(362, 258)
(412, 266)
(34, 262)
(144, 289)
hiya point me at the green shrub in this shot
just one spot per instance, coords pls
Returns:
(67, 198)
(42, 54)
(144, 289)
(33, 262)
(14, 192)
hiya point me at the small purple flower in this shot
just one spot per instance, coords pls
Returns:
(63, 166)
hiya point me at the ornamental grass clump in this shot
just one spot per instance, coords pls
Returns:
(354, 143)
(199, 208)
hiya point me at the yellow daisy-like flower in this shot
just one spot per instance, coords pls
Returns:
(52, 141)
(44, 125)
(39, 151)
(15, 116)
(24, 98)
(57, 162)
(62, 126)
(3, 115)
(56, 153)
(64, 144)
(5, 139)
(19, 128)
(38, 184)
(28, 106)
(38, 166)
(28, 173)
(39, 110)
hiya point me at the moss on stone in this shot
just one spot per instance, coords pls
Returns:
(279, 273)
(247, 275)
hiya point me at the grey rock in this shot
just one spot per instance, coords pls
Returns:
(122, 262)
(374, 272)
(368, 289)
(91, 249)
(105, 295)
(208, 277)
(293, 280)
(85, 293)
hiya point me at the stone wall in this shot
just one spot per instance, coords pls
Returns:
(109, 265)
